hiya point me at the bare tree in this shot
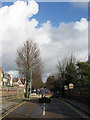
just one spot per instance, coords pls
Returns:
(37, 81)
(28, 57)
(62, 67)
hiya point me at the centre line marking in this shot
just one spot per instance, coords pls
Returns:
(44, 109)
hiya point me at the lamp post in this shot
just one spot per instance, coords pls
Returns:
(30, 80)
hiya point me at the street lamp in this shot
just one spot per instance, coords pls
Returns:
(65, 87)
(71, 86)
(30, 80)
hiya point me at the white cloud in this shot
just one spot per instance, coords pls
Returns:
(66, 39)
(15, 28)
(55, 43)
(81, 4)
(82, 25)
(42, 35)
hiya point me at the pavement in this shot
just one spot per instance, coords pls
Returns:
(6, 105)
(84, 107)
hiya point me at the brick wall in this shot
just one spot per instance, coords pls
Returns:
(81, 94)
(12, 92)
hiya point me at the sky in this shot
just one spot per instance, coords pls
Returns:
(59, 28)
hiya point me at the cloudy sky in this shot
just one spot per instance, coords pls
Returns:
(59, 28)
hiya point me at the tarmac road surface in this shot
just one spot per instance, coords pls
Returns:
(34, 109)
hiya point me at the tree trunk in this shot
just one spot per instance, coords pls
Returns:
(27, 91)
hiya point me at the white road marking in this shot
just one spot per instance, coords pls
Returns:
(44, 109)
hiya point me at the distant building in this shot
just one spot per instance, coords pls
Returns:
(1, 76)
(11, 81)
(22, 80)
(15, 84)
(5, 78)
(18, 83)
(8, 79)
(15, 80)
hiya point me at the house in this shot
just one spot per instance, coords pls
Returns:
(5, 78)
(1, 76)
(11, 80)
(18, 83)
(15, 79)
(8, 79)
(15, 82)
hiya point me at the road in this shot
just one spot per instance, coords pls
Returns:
(34, 109)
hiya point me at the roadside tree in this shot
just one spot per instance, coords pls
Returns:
(28, 60)
(50, 82)
(84, 72)
(67, 71)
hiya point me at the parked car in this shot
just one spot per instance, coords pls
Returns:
(45, 96)
(55, 95)
(33, 93)
(44, 100)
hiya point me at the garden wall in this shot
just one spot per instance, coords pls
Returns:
(81, 94)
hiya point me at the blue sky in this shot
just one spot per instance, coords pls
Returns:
(58, 12)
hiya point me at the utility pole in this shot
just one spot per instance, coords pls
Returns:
(30, 81)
